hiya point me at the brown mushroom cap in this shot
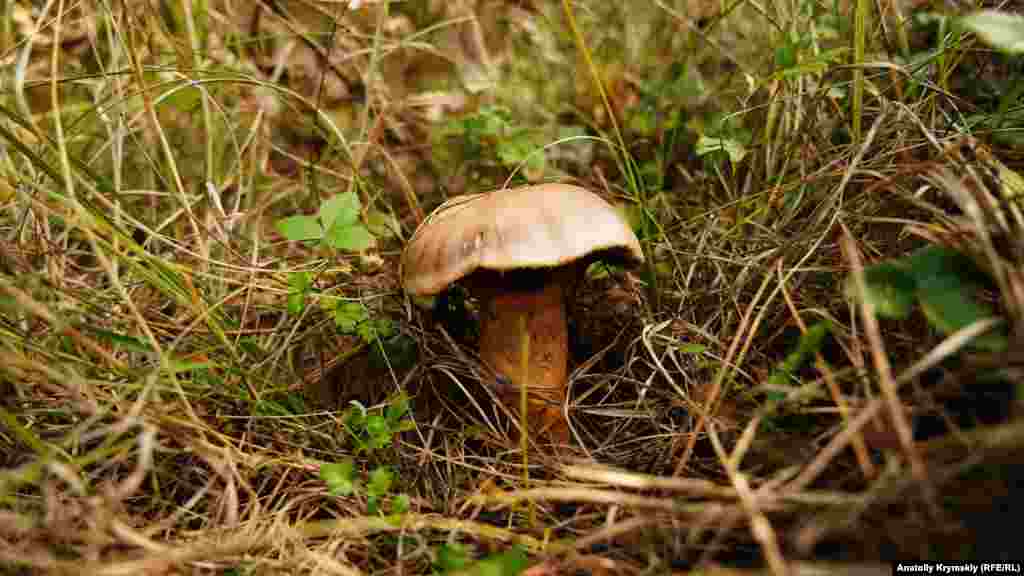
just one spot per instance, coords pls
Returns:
(542, 226)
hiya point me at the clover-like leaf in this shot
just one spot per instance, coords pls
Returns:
(401, 504)
(377, 425)
(348, 315)
(520, 149)
(732, 147)
(380, 482)
(945, 283)
(342, 210)
(397, 408)
(339, 477)
(452, 557)
(354, 238)
(889, 288)
(299, 228)
(376, 328)
(950, 305)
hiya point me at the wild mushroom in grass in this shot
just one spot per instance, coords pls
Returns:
(521, 252)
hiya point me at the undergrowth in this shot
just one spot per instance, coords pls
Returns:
(208, 365)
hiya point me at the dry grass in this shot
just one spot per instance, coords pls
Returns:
(163, 410)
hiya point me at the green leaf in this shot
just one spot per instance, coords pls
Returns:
(377, 426)
(692, 348)
(943, 281)
(376, 328)
(785, 56)
(1002, 30)
(354, 238)
(888, 287)
(299, 228)
(508, 563)
(401, 504)
(348, 315)
(296, 303)
(491, 121)
(384, 326)
(597, 270)
(709, 144)
(950, 305)
(339, 477)
(452, 557)
(520, 149)
(341, 210)
(380, 482)
(809, 344)
(932, 261)
(397, 408)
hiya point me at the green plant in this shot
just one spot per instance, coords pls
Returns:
(945, 284)
(810, 343)
(373, 431)
(370, 431)
(782, 411)
(660, 115)
(354, 318)
(341, 480)
(336, 225)
(490, 137)
(455, 558)
(349, 317)
(712, 146)
(507, 563)
(449, 558)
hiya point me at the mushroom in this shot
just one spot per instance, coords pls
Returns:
(521, 252)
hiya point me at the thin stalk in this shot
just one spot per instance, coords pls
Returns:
(196, 50)
(133, 52)
(524, 434)
(859, 33)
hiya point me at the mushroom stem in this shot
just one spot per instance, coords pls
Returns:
(541, 302)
